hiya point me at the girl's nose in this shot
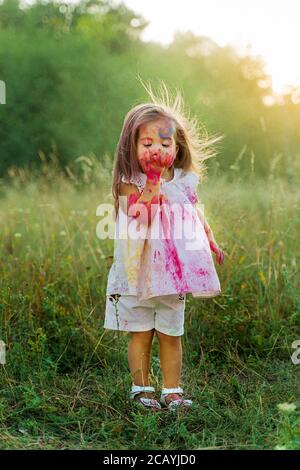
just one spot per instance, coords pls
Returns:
(156, 150)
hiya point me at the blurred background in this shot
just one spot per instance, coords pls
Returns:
(70, 73)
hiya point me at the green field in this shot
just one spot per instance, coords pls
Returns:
(66, 381)
(69, 76)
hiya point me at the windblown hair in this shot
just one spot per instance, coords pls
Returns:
(193, 148)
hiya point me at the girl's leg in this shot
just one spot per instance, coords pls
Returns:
(170, 351)
(139, 353)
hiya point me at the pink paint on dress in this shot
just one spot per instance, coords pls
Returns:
(191, 195)
(173, 265)
(165, 266)
(156, 253)
(201, 272)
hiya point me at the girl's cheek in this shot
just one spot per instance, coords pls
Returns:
(143, 155)
(170, 157)
(169, 153)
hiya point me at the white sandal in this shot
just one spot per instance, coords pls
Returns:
(145, 402)
(174, 404)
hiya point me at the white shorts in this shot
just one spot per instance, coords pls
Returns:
(164, 313)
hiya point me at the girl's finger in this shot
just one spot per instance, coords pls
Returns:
(155, 158)
(214, 247)
(148, 156)
(144, 158)
(158, 159)
(163, 160)
(169, 160)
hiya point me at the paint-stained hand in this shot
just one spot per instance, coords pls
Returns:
(218, 251)
(154, 163)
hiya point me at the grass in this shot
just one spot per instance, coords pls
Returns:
(66, 380)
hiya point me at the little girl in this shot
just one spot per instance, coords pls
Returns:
(155, 190)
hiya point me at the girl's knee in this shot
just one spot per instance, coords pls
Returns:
(142, 335)
(167, 338)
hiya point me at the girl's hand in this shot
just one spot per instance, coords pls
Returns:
(154, 164)
(218, 251)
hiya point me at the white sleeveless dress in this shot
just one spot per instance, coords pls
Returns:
(173, 256)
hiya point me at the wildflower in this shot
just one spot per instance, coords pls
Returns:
(286, 407)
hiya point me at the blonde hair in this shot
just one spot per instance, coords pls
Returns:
(193, 148)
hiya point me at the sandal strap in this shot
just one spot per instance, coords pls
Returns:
(135, 389)
(140, 388)
(166, 391)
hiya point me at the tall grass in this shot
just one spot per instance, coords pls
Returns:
(66, 380)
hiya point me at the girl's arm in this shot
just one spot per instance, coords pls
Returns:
(148, 200)
(210, 236)
(206, 226)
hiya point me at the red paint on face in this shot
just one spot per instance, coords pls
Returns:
(157, 135)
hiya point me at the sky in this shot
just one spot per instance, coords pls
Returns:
(267, 28)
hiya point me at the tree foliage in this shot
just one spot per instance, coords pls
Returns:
(70, 74)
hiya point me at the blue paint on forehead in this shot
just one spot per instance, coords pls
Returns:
(166, 132)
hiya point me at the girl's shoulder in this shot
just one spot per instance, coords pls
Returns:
(185, 177)
(188, 182)
(138, 179)
(189, 178)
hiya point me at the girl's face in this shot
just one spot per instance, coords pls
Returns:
(157, 135)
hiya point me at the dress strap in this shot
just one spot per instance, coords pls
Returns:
(138, 179)
(189, 181)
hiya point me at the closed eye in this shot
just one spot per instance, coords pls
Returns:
(149, 145)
